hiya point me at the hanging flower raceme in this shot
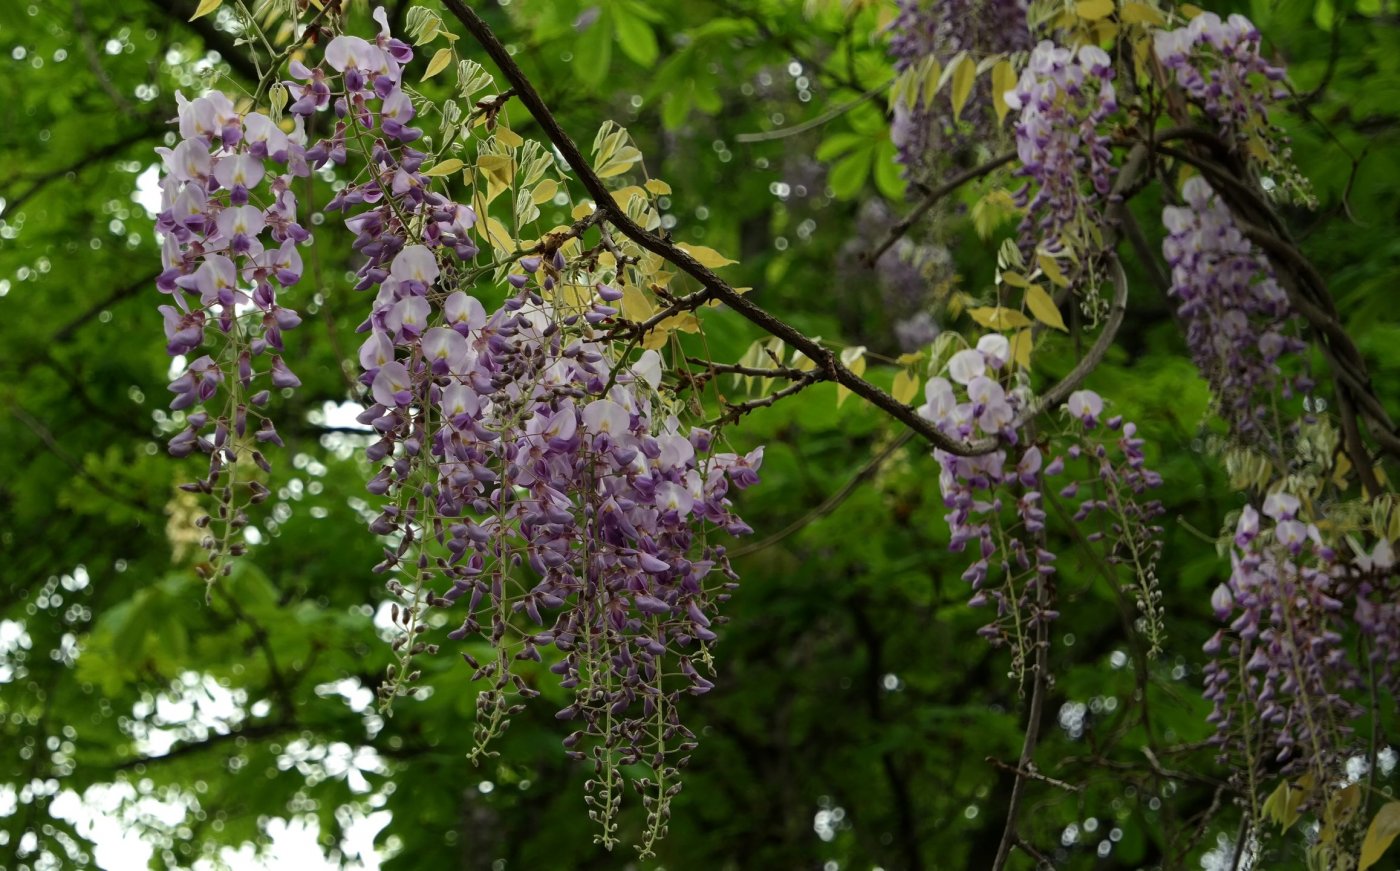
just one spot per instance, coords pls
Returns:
(1239, 325)
(532, 477)
(925, 133)
(1064, 99)
(230, 247)
(1218, 65)
(1377, 610)
(1280, 667)
(996, 500)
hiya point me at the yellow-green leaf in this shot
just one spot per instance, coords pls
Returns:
(446, 167)
(1003, 80)
(852, 358)
(906, 386)
(963, 78)
(707, 257)
(1021, 348)
(998, 318)
(1093, 10)
(205, 7)
(657, 187)
(440, 60)
(1051, 267)
(1140, 13)
(544, 191)
(508, 137)
(495, 234)
(499, 170)
(1380, 834)
(1042, 305)
(1015, 279)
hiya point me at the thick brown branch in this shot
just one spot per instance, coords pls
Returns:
(827, 361)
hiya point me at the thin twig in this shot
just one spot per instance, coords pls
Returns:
(931, 199)
(824, 118)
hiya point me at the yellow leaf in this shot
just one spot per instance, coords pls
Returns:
(1003, 80)
(906, 386)
(1190, 10)
(205, 7)
(1051, 267)
(707, 257)
(446, 167)
(910, 358)
(1043, 307)
(658, 187)
(440, 60)
(1021, 349)
(508, 137)
(1093, 10)
(544, 191)
(1015, 279)
(495, 234)
(998, 318)
(933, 80)
(1380, 835)
(852, 358)
(582, 210)
(635, 305)
(623, 196)
(963, 78)
(499, 170)
(1140, 13)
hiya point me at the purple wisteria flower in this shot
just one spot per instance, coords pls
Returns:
(1239, 325)
(1280, 661)
(1064, 99)
(926, 135)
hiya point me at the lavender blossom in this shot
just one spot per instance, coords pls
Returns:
(1238, 321)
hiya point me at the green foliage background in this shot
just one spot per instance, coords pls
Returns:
(852, 682)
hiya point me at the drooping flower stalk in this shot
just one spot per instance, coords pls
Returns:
(1064, 99)
(230, 246)
(1239, 324)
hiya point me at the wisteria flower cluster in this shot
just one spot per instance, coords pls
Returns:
(1377, 611)
(532, 475)
(1239, 324)
(230, 246)
(925, 136)
(1217, 63)
(1064, 99)
(996, 500)
(1280, 662)
(993, 499)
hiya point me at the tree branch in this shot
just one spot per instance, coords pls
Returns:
(827, 361)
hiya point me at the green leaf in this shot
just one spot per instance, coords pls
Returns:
(849, 174)
(637, 39)
(1380, 835)
(964, 76)
(593, 52)
(837, 144)
(889, 177)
